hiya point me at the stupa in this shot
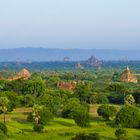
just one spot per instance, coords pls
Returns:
(24, 74)
(127, 76)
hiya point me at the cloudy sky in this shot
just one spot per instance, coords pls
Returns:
(70, 24)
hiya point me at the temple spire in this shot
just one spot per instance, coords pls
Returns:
(127, 68)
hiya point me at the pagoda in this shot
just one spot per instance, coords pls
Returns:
(127, 76)
(24, 74)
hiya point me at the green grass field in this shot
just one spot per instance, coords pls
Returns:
(58, 129)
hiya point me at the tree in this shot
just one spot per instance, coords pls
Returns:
(12, 97)
(4, 104)
(70, 106)
(128, 116)
(102, 98)
(77, 111)
(35, 86)
(40, 116)
(3, 128)
(35, 113)
(106, 111)
(129, 100)
(82, 92)
(121, 134)
(81, 116)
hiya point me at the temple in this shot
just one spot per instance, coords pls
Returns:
(24, 74)
(67, 85)
(127, 76)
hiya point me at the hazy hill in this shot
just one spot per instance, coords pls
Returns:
(44, 54)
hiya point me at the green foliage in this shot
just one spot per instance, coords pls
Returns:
(15, 86)
(101, 98)
(28, 100)
(80, 116)
(77, 111)
(83, 92)
(35, 86)
(116, 98)
(12, 97)
(129, 100)
(92, 136)
(54, 100)
(38, 128)
(3, 128)
(128, 116)
(70, 106)
(118, 88)
(106, 111)
(136, 96)
(43, 114)
(3, 136)
(121, 134)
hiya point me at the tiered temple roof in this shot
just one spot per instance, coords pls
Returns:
(127, 76)
(24, 74)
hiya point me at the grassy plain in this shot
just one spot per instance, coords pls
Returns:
(59, 128)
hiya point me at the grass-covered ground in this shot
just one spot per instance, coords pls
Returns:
(58, 129)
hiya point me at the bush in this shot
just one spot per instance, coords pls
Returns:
(81, 117)
(3, 128)
(45, 116)
(106, 111)
(121, 134)
(128, 116)
(77, 111)
(2, 136)
(72, 103)
(102, 99)
(38, 128)
(93, 136)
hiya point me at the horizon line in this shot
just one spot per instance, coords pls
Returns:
(70, 48)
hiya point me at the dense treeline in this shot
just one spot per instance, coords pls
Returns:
(102, 87)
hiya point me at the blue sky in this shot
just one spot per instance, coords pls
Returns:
(70, 24)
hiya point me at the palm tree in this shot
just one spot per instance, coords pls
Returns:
(36, 115)
(3, 104)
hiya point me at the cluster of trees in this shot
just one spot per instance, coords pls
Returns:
(41, 93)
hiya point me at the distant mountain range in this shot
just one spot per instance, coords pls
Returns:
(46, 54)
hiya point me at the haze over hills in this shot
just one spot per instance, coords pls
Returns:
(48, 54)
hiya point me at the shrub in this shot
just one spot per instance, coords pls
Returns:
(102, 99)
(106, 111)
(81, 117)
(77, 111)
(3, 128)
(93, 136)
(121, 134)
(128, 116)
(45, 116)
(38, 128)
(72, 103)
(2, 136)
